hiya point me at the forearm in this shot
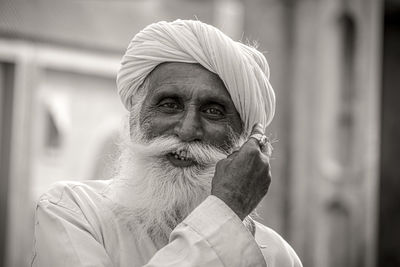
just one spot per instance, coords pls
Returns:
(212, 235)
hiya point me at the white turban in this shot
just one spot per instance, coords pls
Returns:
(243, 69)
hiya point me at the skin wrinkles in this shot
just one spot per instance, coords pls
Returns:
(190, 102)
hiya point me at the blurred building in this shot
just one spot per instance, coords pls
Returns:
(334, 68)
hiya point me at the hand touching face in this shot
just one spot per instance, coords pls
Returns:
(191, 103)
(243, 178)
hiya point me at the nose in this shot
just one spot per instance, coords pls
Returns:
(189, 129)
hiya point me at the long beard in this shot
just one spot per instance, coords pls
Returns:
(152, 195)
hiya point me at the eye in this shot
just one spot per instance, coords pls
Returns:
(213, 111)
(170, 104)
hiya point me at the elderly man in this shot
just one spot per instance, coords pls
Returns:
(194, 165)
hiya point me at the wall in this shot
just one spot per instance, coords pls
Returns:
(334, 143)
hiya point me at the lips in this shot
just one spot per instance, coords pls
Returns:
(180, 159)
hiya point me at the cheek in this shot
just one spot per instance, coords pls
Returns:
(218, 135)
(153, 124)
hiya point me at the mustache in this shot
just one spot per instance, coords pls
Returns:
(158, 147)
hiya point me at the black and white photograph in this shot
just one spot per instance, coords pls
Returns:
(196, 133)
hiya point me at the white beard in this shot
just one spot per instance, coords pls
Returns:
(152, 195)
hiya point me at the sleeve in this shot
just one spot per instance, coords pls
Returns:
(277, 252)
(212, 235)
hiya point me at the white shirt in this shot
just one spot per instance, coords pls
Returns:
(76, 226)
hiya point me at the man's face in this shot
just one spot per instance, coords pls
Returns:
(191, 103)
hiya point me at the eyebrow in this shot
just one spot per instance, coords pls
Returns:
(164, 94)
(164, 91)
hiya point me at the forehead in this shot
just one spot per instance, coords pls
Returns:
(175, 74)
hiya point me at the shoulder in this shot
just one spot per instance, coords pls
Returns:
(71, 215)
(276, 251)
(80, 205)
(74, 195)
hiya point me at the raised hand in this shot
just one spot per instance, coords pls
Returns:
(243, 178)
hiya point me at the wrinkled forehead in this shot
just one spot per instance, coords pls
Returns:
(175, 72)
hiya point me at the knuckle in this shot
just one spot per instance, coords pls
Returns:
(267, 165)
(251, 143)
(267, 172)
(269, 178)
(265, 161)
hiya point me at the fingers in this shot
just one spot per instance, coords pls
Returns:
(258, 128)
(267, 149)
(252, 142)
(255, 145)
(252, 145)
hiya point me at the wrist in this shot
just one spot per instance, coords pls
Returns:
(231, 204)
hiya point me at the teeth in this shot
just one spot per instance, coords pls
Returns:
(181, 155)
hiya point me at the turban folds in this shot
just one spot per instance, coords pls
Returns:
(243, 69)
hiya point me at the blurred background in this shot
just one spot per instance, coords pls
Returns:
(335, 69)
